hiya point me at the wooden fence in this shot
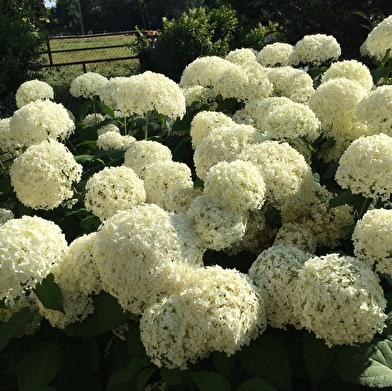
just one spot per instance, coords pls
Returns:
(91, 48)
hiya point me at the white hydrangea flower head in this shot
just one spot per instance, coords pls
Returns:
(5, 215)
(143, 153)
(108, 128)
(352, 70)
(108, 92)
(372, 238)
(32, 90)
(243, 82)
(29, 247)
(237, 186)
(241, 56)
(336, 98)
(375, 110)
(161, 176)
(310, 208)
(350, 295)
(291, 83)
(93, 119)
(140, 257)
(274, 273)
(316, 49)
(275, 54)
(150, 91)
(242, 117)
(77, 307)
(77, 270)
(40, 120)
(219, 311)
(113, 189)
(224, 144)
(88, 85)
(44, 174)
(180, 196)
(204, 122)
(114, 140)
(298, 235)
(203, 71)
(198, 94)
(292, 120)
(217, 227)
(366, 166)
(9, 147)
(282, 167)
(378, 40)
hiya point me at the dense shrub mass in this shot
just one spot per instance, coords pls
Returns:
(229, 231)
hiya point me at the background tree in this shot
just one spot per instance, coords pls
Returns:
(22, 36)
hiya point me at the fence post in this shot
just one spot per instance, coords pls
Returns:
(49, 53)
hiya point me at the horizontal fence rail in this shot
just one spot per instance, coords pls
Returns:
(91, 48)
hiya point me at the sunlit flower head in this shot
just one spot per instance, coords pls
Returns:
(241, 56)
(40, 120)
(316, 49)
(9, 147)
(379, 40)
(275, 54)
(114, 140)
(87, 85)
(274, 273)
(44, 174)
(220, 310)
(372, 238)
(366, 167)
(108, 91)
(350, 295)
(113, 189)
(33, 90)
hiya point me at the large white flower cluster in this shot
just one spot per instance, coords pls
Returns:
(241, 56)
(275, 54)
(108, 91)
(220, 310)
(115, 140)
(9, 147)
(29, 248)
(44, 174)
(141, 154)
(40, 120)
(113, 189)
(340, 299)
(140, 257)
(32, 90)
(374, 110)
(316, 49)
(372, 239)
(274, 273)
(154, 92)
(88, 85)
(366, 166)
(379, 40)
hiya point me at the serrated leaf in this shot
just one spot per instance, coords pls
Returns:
(15, 326)
(267, 358)
(49, 294)
(367, 364)
(256, 383)
(318, 357)
(210, 381)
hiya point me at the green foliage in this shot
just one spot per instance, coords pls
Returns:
(22, 37)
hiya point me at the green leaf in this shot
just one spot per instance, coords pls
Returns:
(90, 223)
(267, 358)
(256, 383)
(15, 326)
(122, 378)
(174, 377)
(329, 172)
(107, 315)
(223, 363)
(38, 365)
(367, 364)
(83, 158)
(318, 357)
(346, 197)
(106, 109)
(49, 294)
(210, 381)
(143, 377)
